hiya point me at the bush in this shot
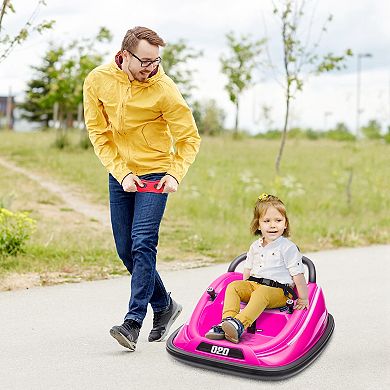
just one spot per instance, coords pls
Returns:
(15, 230)
(209, 117)
(386, 136)
(6, 200)
(340, 133)
(85, 142)
(312, 134)
(372, 130)
(270, 134)
(62, 140)
(296, 133)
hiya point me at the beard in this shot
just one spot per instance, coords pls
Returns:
(140, 76)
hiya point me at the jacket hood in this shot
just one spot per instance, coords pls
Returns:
(121, 76)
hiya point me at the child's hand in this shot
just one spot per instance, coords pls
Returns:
(301, 304)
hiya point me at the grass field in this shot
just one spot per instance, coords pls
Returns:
(209, 217)
(64, 245)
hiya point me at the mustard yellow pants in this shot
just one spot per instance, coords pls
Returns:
(257, 296)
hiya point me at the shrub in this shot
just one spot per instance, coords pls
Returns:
(15, 230)
(296, 133)
(372, 130)
(340, 133)
(62, 141)
(85, 142)
(6, 200)
(270, 134)
(386, 137)
(209, 117)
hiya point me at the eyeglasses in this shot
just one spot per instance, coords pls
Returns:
(145, 64)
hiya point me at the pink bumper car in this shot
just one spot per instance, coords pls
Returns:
(279, 344)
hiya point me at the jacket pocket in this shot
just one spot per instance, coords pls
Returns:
(157, 137)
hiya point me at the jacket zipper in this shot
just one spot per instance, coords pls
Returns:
(123, 103)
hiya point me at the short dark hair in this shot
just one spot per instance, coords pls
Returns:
(134, 35)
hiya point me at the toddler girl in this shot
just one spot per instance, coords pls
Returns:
(272, 267)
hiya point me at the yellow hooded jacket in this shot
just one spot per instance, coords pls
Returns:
(139, 127)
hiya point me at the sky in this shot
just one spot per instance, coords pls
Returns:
(360, 25)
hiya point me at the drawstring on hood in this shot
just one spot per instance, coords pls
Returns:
(119, 59)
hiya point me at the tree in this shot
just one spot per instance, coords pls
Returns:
(209, 117)
(175, 58)
(299, 57)
(340, 133)
(372, 130)
(63, 71)
(386, 137)
(8, 42)
(238, 67)
(36, 107)
(265, 117)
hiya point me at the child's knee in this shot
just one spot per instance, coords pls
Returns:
(234, 285)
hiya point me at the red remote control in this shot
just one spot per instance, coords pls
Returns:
(150, 186)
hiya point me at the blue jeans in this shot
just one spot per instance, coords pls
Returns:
(135, 220)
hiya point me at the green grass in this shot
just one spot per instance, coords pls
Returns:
(221, 188)
(209, 217)
(64, 241)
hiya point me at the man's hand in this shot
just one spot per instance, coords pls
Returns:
(129, 183)
(170, 184)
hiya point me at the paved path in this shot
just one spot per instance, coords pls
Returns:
(57, 337)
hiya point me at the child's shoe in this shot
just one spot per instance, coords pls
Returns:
(233, 329)
(215, 333)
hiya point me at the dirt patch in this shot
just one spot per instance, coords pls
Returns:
(69, 196)
(15, 281)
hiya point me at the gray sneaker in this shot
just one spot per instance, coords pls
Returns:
(215, 333)
(163, 320)
(126, 334)
(233, 329)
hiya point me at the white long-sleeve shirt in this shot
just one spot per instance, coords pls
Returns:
(278, 260)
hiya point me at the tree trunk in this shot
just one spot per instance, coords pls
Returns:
(284, 134)
(80, 116)
(56, 108)
(9, 112)
(236, 122)
(69, 120)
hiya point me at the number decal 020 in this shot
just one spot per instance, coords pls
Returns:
(220, 350)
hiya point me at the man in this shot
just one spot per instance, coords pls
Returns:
(141, 128)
